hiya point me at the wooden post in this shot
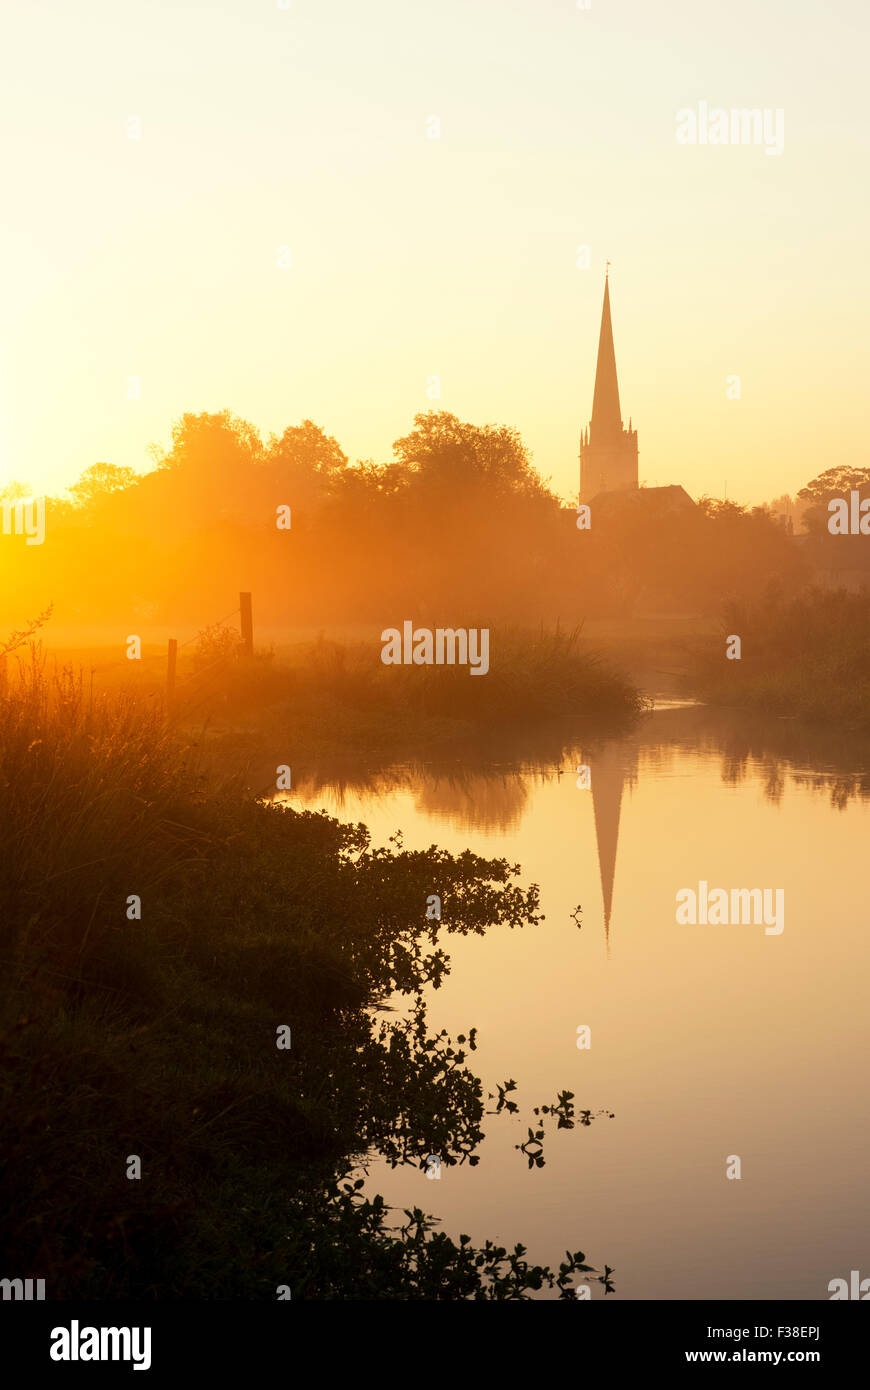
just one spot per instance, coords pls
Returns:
(170, 674)
(247, 624)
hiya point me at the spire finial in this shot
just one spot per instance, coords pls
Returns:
(606, 269)
(606, 423)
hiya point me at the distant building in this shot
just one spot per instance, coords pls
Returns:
(644, 501)
(608, 453)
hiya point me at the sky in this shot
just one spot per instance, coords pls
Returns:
(410, 257)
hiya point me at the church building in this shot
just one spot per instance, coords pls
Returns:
(608, 453)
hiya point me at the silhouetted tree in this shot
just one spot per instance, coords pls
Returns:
(834, 482)
(14, 490)
(308, 448)
(99, 481)
(445, 452)
(210, 444)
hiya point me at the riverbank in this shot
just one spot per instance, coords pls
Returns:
(322, 702)
(805, 658)
(193, 1050)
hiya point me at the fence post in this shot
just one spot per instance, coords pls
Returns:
(247, 624)
(170, 674)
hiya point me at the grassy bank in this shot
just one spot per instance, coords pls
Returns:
(806, 657)
(533, 675)
(158, 932)
(341, 703)
(335, 706)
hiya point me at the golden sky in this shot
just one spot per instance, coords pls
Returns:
(412, 257)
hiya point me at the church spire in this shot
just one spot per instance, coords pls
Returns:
(606, 424)
(608, 453)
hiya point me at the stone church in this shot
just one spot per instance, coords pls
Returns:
(608, 453)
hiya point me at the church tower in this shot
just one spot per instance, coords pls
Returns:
(608, 453)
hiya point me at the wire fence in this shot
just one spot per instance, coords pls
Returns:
(161, 656)
(190, 685)
(220, 622)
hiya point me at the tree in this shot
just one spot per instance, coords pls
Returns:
(834, 482)
(211, 445)
(99, 481)
(367, 482)
(310, 449)
(444, 452)
(15, 491)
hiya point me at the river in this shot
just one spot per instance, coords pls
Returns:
(708, 1042)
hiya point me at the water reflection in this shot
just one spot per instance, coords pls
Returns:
(706, 1041)
(482, 783)
(612, 769)
(483, 789)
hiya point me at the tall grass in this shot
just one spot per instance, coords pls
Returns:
(541, 675)
(806, 656)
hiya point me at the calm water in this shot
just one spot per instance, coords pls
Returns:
(707, 1041)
